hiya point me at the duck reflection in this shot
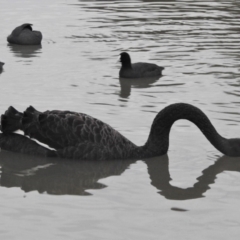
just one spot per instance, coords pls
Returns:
(127, 83)
(25, 51)
(61, 177)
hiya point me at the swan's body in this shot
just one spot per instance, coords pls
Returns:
(79, 136)
(137, 70)
(24, 35)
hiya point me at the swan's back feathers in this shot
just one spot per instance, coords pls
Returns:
(11, 120)
(73, 135)
(69, 128)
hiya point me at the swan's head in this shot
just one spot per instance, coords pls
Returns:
(125, 58)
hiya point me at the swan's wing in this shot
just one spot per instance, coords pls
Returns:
(18, 143)
(83, 151)
(94, 151)
(17, 31)
(62, 129)
(73, 135)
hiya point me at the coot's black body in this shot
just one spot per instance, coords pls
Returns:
(137, 70)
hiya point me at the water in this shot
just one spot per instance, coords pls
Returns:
(191, 193)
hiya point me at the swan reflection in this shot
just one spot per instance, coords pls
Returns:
(56, 176)
(160, 177)
(59, 177)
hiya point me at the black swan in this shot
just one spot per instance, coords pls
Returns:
(79, 136)
(137, 70)
(24, 35)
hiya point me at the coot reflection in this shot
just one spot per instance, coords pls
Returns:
(127, 84)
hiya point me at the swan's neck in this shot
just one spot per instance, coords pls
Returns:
(158, 140)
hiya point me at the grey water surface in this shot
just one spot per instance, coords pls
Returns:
(191, 193)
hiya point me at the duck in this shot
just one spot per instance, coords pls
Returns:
(74, 135)
(24, 35)
(137, 70)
